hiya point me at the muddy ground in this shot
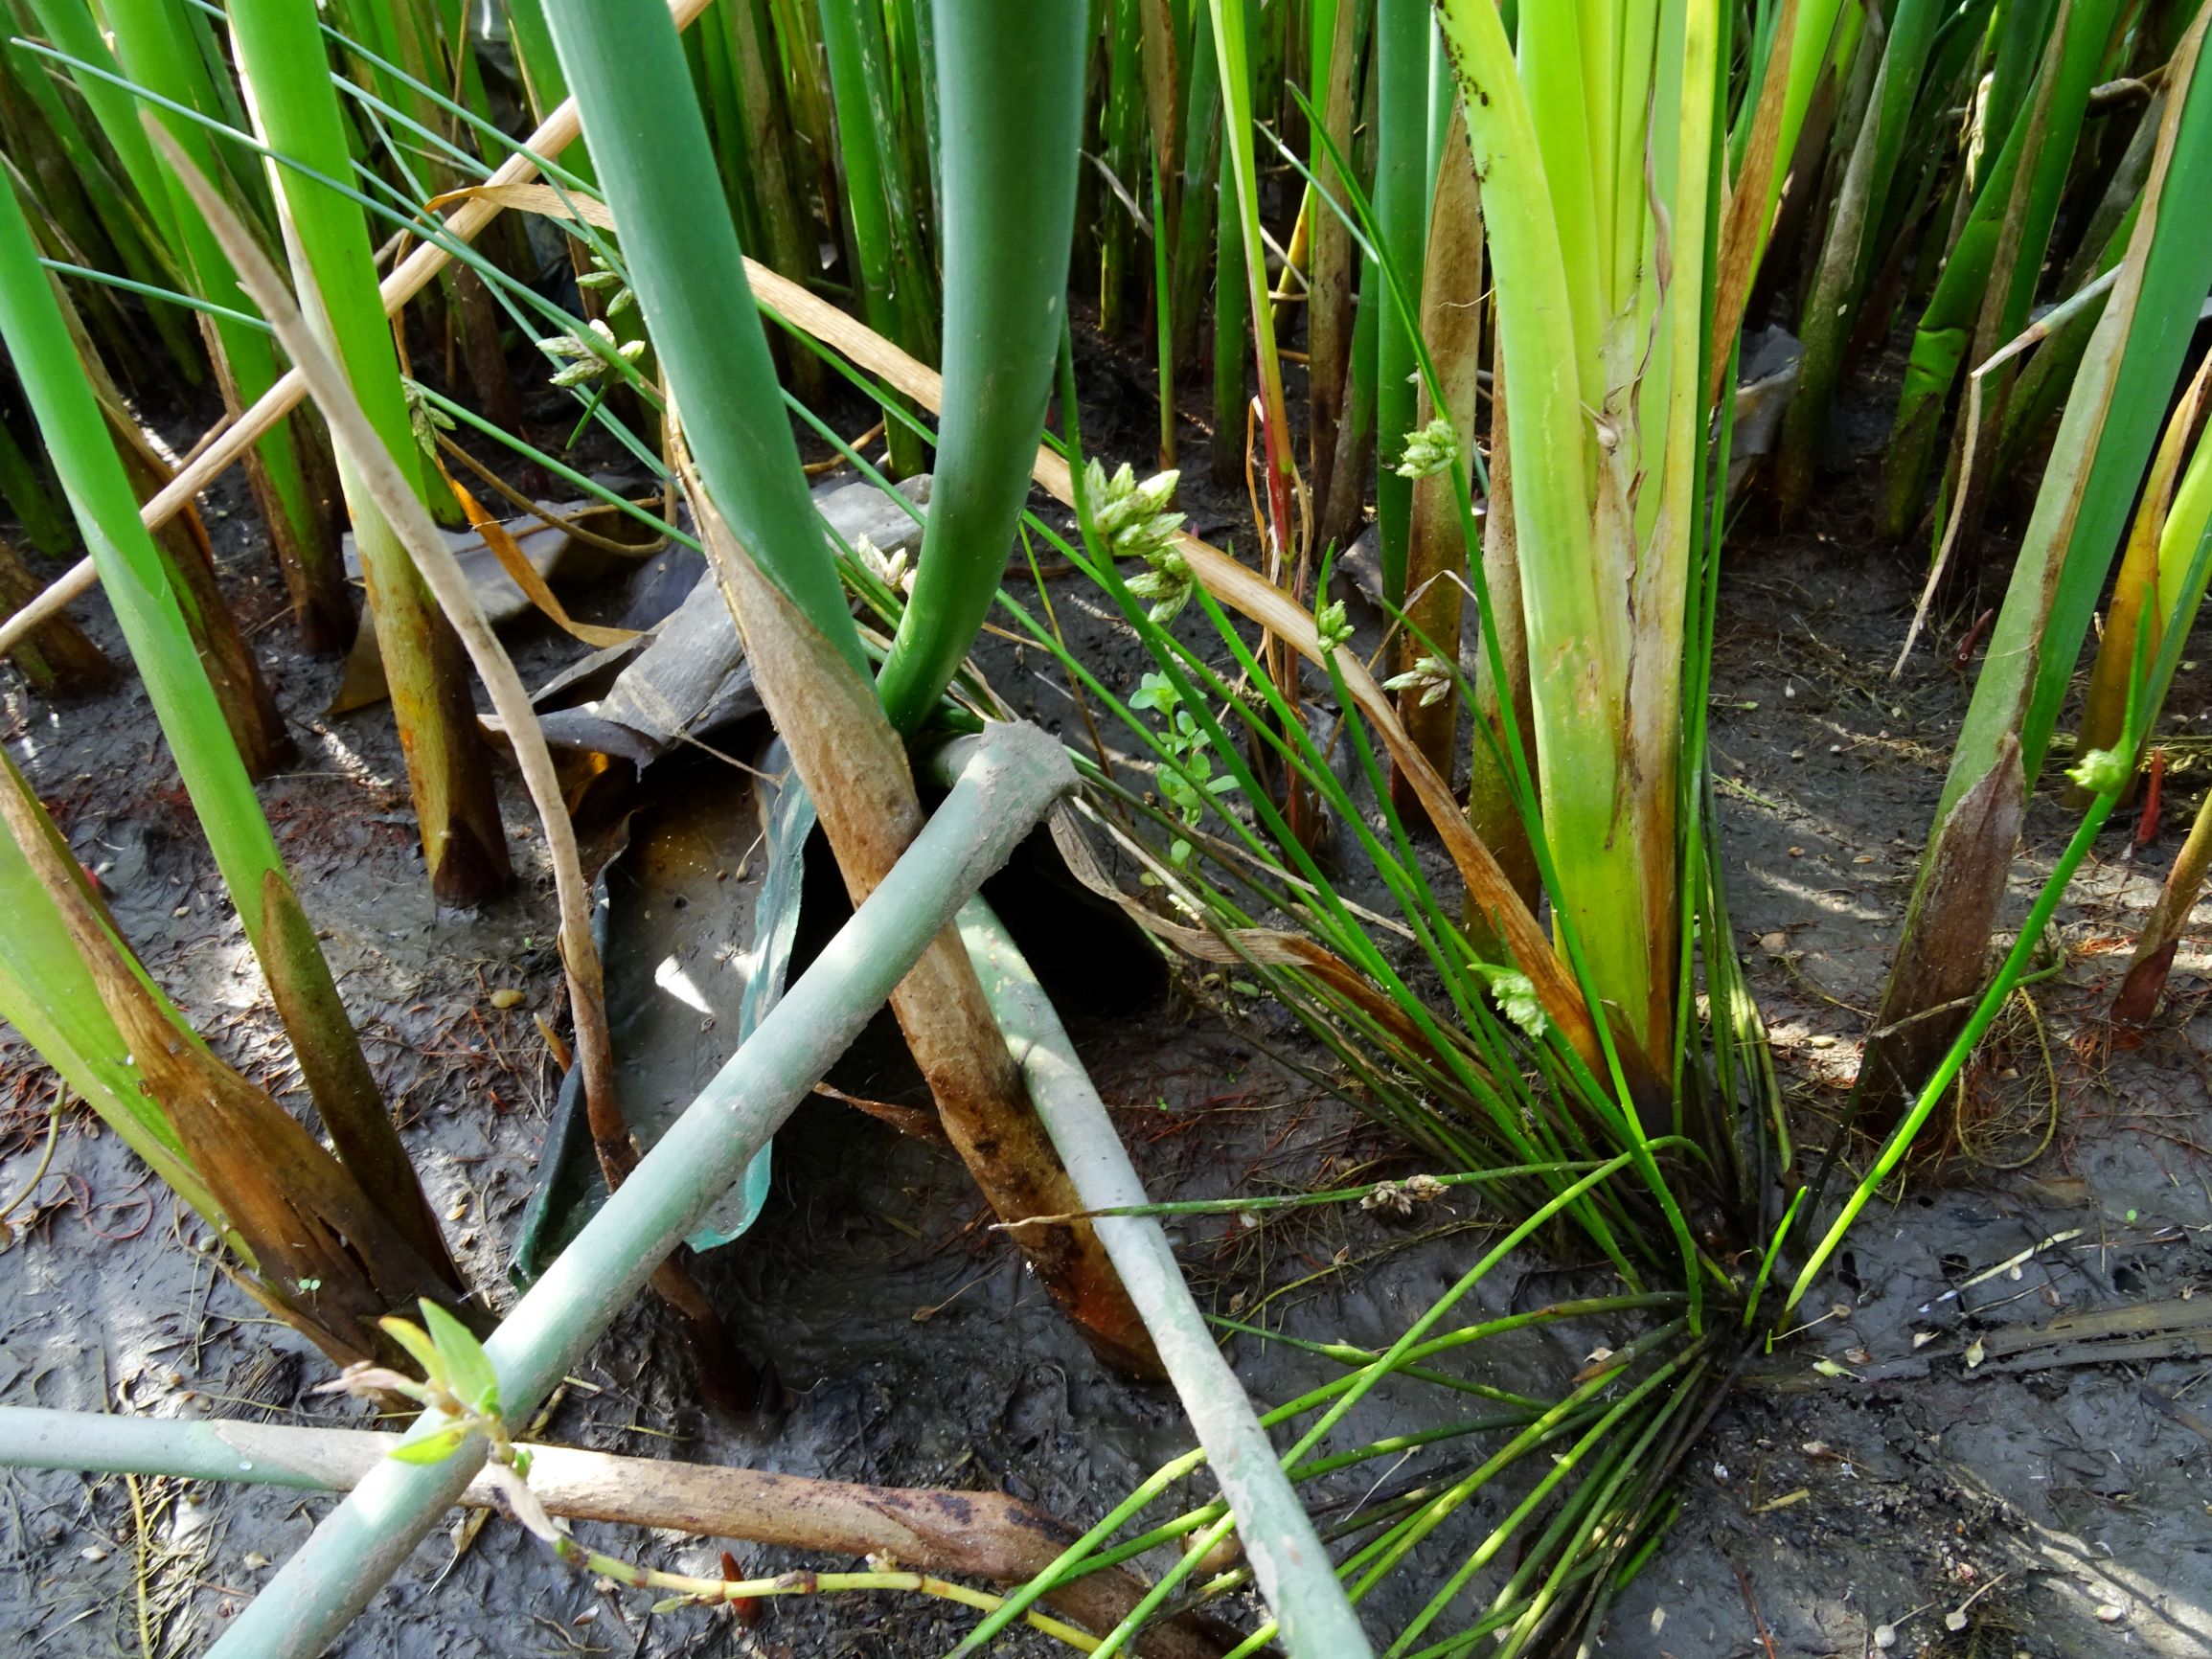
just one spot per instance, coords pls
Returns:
(2062, 1498)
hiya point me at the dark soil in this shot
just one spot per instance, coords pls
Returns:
(2065, 1496)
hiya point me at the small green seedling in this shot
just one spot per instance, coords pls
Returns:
(460, 1383)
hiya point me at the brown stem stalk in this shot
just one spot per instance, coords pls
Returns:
(2163, 927)
(1451, 306)
(59, 658)
(857, 772)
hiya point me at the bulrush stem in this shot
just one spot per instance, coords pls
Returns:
(1451, 308)
(1492, 806)
(1285, 539)
(1403, 36)
(257, 725)
(2105, 444)
(1328, 295)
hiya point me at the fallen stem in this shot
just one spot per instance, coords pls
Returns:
(1302, 1200)
(802, 1584)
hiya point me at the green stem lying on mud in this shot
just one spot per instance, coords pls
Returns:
(706, 1592)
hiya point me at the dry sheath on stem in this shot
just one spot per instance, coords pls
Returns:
(857, 771)
(318, 1252)
(57, 658)
(2138, 996)
(2169, 519)
(1451, 307)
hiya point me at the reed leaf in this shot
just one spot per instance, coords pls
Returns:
(2012, 214)
(153, 47)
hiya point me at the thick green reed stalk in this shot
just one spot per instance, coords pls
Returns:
(424, 47)
(792, 246)
(1232, 313)
(1594, 140)
(1121, 123)
(886, 240)
(153, 48)
(1331, 259)
(1848, 251)
(146, 592)
(1193, 194)
(1231, 19)
(280, 48)
(1009, 98)
(2015, 271)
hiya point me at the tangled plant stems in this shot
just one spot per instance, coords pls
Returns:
(458, 1382)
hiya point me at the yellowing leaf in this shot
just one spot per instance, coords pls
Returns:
(431, 1449)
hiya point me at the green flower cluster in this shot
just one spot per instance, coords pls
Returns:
(1134, 522)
